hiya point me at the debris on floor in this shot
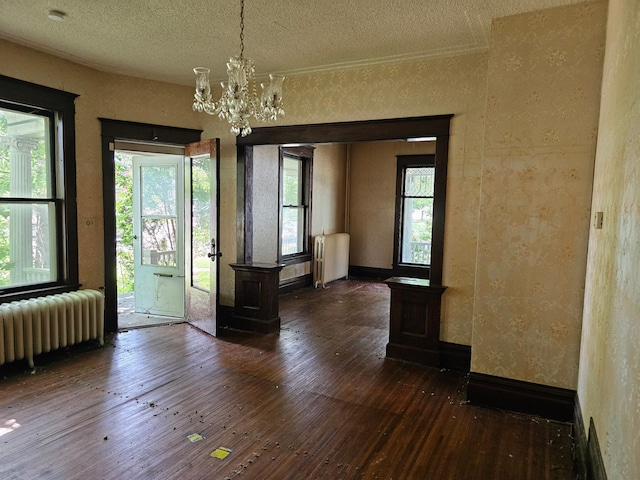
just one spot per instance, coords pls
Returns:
(221, 452)
(195, 437)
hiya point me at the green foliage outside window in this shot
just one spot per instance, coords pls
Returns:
(39, 188)
(124, 221)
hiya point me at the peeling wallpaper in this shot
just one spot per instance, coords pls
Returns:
(609, 377)
(540, 132)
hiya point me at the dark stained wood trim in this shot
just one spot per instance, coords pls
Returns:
(439, 205)
(524, 397)
(292, 284)
(402, 269)
(256, 297)
(225, 316)
(29, 94)
(305, 155)
(125, 130)
(338, 132)
(244, 205)
(454, 356)
(370, 272)
(580, 441)
(349, 132)
(122, 130)
(109, 238)
(595, 464)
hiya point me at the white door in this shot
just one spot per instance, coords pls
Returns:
(202, 252)
(158, 228)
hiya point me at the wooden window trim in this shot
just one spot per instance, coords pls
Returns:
(437, 233)
(61, 105)
(305, 154)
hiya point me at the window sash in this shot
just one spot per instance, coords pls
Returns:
(57, 110)
(295, 178)
(292, 239)
(419, 215)
(28, 207)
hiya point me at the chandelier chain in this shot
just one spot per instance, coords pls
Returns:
(241, 28)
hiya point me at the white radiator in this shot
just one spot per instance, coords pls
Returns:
(330, 258)
(40, 325)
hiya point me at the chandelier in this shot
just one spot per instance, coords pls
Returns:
(239, 101)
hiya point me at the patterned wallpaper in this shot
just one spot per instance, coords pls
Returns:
(520, 171)
(609, 378)
(542, 112)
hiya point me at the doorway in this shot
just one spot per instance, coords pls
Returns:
(149, 200)
(200, 164)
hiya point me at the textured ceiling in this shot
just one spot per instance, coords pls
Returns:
(165, 39)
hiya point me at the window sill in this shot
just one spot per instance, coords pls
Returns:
(295, 259)
(36, 292)
(404, 270)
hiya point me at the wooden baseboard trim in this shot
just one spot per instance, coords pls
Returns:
(524, 397)
(291, 284)
(595, 464)
(451, 356)
(428, 358)
(370, 272)
(225, 316)
(579, 441)
(454, 356)
(255, 325)
(588, 456)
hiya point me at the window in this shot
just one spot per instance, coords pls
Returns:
(295, 195)
(38, 233)
(418, 205)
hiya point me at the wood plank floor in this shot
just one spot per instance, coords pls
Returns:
(316, 401)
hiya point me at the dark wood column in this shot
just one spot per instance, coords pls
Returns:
(256, 304)
(414, 323)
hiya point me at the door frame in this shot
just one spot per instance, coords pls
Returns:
(340, 132)
(122, 130)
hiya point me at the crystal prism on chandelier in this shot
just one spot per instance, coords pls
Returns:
(239, 101)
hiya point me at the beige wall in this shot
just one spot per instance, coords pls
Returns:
(329, 189)
(609, 377)
(542, 110)
(328, 202)
(372, 195)
(266, 166)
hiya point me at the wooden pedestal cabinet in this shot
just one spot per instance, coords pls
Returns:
(256, 304)
(414, 323)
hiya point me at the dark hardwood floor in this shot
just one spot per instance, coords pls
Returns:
(316, 401)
